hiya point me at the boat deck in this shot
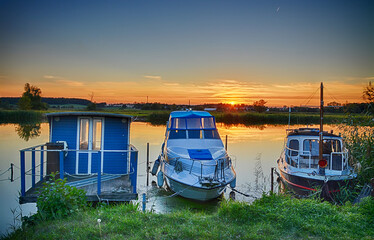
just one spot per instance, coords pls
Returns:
(114, 188)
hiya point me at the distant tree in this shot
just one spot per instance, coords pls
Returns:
(368, 95)
(334, 104)
(92, 105)
(31, 99)
(259, 106)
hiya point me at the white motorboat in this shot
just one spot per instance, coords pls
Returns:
(194, 162)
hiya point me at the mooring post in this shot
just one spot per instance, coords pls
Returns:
(144, 201)
(226, 143)
(272, 180)
(11, 172)
(147, 164)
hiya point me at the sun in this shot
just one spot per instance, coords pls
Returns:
(232, 103)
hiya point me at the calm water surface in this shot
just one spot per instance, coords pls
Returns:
(254, 151)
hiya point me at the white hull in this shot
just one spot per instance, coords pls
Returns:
(195, 193)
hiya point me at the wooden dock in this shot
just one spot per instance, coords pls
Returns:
(114, 188)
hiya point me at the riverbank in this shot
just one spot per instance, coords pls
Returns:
(160, 117)
(270, 217)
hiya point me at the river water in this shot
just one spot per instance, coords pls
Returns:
(254, 150)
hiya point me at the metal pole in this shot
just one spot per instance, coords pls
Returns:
(147, 164)
(99, 176)
(23, 177)
(321, 170)
(144, 202)
(226, 143)
(41, 162)
(33, 167)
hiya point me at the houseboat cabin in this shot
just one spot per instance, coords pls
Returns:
(91, 150)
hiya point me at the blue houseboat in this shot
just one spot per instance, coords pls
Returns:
(91, 150)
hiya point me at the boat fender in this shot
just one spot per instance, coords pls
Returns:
(156, 165)
(160, 179)
(233, 183)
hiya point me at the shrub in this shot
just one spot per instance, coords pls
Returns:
(58, 200)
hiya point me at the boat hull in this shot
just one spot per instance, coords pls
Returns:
(305, 186)
(193, 192)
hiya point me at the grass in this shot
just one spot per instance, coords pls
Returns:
(270, 217)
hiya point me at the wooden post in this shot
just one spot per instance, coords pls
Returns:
(321, 170)
(226, 143)
(147, 164)
(23, 177)
(272, 180)
(41, 162)
(33, 167)
(62, 165)
(11, 172)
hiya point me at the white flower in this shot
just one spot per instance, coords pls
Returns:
(99, 220)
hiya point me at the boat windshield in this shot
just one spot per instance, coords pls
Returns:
(194, 134)
(192, 123)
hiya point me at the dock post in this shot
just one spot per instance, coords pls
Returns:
(99, 177)
(147, 164)
(226, 143)
(134, 168)
(41, 162)
(62, 165)
(144, 201)
(23, 180)
(33, 167)
(11, 172)
(272, 180)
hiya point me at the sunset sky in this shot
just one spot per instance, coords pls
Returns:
(180, 51)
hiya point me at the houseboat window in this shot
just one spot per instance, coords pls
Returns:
(177, 134)
(83, 136)
(178, 123)
(195, 134)
(330, 145)
(96, 143)
(294, 145)
(211, 134)
(208, 122)
(194, 123)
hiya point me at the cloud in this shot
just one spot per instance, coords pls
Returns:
(171, 84)
(153, 77)
(61, 80)
(50, 77)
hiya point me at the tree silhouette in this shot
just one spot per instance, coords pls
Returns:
(31, 98)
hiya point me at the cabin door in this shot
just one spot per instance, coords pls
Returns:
(90, 141)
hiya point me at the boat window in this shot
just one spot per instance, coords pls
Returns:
(178, 123)
(208, 122)
(312, 146)
(294, 145)
(331, 145)
(83, 135)
(198, 134)
(194, 123)
(211, 134)
(96, 143)
(177, 134)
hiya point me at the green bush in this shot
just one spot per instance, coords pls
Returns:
(58, 200)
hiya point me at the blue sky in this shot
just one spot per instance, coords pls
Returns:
(175, 51)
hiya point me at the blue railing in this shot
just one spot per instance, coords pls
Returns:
(132, 163)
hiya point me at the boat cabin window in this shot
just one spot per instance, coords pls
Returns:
(331, 145)
(211, 134)
(83, 135)
(194, 123)
(177, 134)
(312, 146)
(208, 122)
(178, 123)
(293, 145)
(197, 134)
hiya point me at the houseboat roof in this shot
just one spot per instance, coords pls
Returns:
(88, 114)
(309, 132)
(189, 114)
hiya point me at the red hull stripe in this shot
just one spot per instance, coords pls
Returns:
(296, 185)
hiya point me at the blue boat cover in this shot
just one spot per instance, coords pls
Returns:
(200, 154)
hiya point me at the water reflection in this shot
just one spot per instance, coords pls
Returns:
(28, 131)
